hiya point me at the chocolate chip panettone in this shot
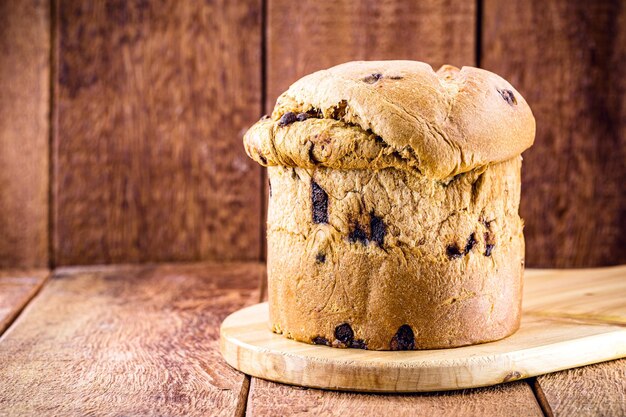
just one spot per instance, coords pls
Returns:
(393, 211)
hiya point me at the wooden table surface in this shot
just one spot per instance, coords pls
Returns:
(143, 340)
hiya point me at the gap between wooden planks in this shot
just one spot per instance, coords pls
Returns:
(17, 288)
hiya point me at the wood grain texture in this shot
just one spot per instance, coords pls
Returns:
(540, 346)
(316, 35)
(596, 295)
(271, 399)
(24, 132)
(126, 340)
(567, 59)
(17, 288)
(152, 101)
(595, 390)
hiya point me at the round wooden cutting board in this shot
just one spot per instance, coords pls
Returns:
(542, 345)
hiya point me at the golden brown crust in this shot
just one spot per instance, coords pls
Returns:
(447, 259)
(444, 122)
(323, 143)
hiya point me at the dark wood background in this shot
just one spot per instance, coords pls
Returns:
(121, 121)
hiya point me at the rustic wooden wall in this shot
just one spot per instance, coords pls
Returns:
(317, 35)
(150, 101)
(567, 57)
(24, 132)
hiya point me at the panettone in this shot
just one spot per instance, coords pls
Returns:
(393, 211)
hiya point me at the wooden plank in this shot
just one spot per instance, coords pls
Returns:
(17, 288)
(127, 340)
(317, 35)
(269, 398)
(153, 99)
(592, 295)
(596, 390)
(24, 130)
(566, 58)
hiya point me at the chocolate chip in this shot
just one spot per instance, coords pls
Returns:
(337, 112)
(320, 203)
(378, 229)
(320, 258)
(319, 340)
(404, 339)
(453, 252)
(358, 344)
(508, 96)
(489, 245)
(314, 113)
(358, 235)
(395, 77)
(312, 157)
(372, 78)
(301, 117)
(287, 119)
(470, 243)
(344, 333)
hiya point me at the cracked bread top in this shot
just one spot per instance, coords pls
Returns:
(379, 114)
